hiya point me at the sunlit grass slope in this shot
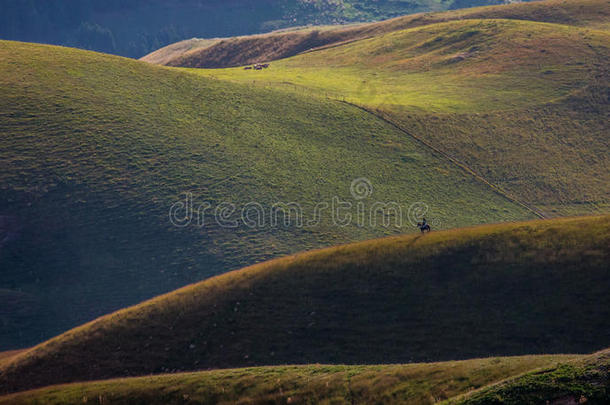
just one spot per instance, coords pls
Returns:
(523, 104)
(95, 149)
(457, 66)
(238, 51)
(416, 384)
(581, 381)
(512, 289)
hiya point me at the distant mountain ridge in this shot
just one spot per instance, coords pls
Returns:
(137, 27)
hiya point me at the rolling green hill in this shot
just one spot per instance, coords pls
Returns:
(581, 381)
(523, 104)
(121, 180)
(416, 384)
(96, 149)
(227, 52)
(512, 289)
(470, 66)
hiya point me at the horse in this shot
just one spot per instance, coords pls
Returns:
(423, 227)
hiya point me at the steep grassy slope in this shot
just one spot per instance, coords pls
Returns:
(523, 104)
(96, 149)
(579, 381)
(524, 288)
(4, 356)
(416, 384)
(263, 48)
(163, 55)
(553, 157)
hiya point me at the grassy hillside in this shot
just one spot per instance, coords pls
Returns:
(263, 48)
(579, 381)
(4, 356)
(523, 288)
(459, 66)
(416, 384)
(163, 55)
(95, 150)
(523, 104)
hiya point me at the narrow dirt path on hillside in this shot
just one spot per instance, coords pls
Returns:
(456, 162)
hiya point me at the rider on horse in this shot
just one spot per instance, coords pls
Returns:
(423, 226)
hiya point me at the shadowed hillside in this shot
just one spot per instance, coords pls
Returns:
(264, 48)
(236, 220)
(523, 288)
(96, 149)
(415, 384)
(4, 356)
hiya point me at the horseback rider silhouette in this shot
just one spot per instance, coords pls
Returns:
(423, 226)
